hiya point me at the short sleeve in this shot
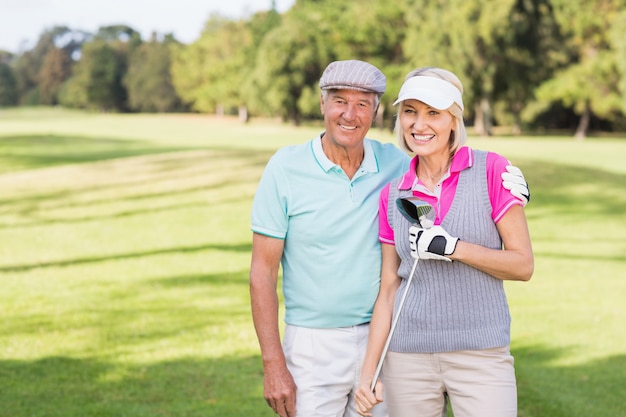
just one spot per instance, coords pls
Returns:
(385, 232)
(269, 208)
(501, 198)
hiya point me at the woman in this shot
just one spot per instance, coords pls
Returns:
(453, 334)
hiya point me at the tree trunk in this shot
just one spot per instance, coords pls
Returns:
(294, 116)
(243, 114)
(583, 124)
(379, 120)
(478, 120)
(483, 121)
(517, 124)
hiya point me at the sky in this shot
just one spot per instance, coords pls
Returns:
(23, 21)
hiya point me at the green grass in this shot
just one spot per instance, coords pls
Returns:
(125, 248)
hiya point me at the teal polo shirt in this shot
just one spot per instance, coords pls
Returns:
(332, 258)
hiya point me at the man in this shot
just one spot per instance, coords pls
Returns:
(315, 211)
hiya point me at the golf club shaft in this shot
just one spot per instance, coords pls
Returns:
(393, 326)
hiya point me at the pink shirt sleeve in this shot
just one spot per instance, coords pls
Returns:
(385, 232)
(501, 198)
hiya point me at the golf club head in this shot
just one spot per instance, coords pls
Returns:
(416, 211)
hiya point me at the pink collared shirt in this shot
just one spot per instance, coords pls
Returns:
(501, 199)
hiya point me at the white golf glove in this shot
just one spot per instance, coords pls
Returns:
(433, 243)
(514, 181)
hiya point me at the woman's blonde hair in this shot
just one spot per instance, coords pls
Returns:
(458, 136)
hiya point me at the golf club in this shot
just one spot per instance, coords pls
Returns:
(417, 212)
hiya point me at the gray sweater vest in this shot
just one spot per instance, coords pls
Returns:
(451, 306)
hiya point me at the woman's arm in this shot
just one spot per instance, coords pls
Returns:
(514, 262)
(379, 330)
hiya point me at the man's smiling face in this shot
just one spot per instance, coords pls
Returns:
(348, 116)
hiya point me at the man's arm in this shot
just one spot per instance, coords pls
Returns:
(514, 181)
(279, 389)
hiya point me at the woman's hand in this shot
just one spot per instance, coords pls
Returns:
(364, 398)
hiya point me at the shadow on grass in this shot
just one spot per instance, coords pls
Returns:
(557, 188)
(94, 259)
(141, 316)
(35, 151)
(35, 221)
(41, 151)
(212, 383)
(64, 198)
(571, 190)
(67, 387)
(232, 386)
(594, 389)
(201, 280)
(172, 176)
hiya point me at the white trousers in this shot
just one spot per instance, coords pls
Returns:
(326, 366)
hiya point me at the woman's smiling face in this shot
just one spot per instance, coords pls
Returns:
(426, 130)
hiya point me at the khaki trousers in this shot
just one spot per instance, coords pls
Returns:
(479, 383)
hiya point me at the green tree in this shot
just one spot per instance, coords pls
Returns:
(531, 50)
(588, 84)
(97, 80)
(618, 42)
(313, 33)
(373, 31)
(148, 79)
(119, 34)
(211, 73)
(8, 86)
(104, 88)
(73, 92)
(259, 25)
(290, 58)
(455, 48)
(494, 46)
(56, 69)
(28, 66)
(207, 73)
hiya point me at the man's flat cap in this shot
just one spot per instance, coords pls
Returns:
(353, 75)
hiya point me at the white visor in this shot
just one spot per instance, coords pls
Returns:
(435, 92)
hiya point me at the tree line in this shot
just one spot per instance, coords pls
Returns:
(527, 64)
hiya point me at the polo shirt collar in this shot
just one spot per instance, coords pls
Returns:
(464, 158)
(369, 163)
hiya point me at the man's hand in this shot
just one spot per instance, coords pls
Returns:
(279, 390)
(514, 181)
(434, 243)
